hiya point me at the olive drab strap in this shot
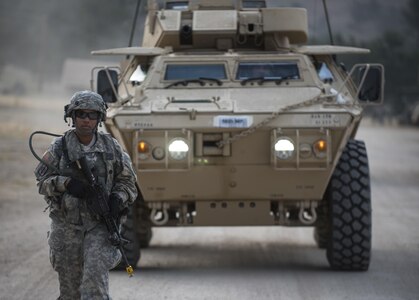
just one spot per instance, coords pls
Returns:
(65, 149)
(109, 149)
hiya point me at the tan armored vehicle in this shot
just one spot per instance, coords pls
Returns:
(231, 121)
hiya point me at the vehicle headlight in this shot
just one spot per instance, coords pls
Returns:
(178, 149)
(284, 148)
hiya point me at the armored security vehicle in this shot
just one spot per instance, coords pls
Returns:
(231, 120)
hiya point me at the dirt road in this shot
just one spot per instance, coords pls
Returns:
(216, 263)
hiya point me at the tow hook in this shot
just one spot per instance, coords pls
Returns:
(307, 214)
(159, 214)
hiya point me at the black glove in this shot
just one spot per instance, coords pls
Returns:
(115, 205)
(78, 188)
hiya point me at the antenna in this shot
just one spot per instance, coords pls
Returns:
(134, 22)
(328, 22)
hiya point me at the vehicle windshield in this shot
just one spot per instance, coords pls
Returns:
(195, 71)
(268, 70)
(254, 3)
(177, 5)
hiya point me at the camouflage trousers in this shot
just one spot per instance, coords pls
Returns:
(82, 259)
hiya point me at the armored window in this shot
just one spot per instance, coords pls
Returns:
(195, 71)
(253, 3)
(268, 70)
(178, 5)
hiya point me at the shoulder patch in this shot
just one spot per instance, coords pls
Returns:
(42, 168)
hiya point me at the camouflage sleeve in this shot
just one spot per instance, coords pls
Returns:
(125, 177)
(50, 183)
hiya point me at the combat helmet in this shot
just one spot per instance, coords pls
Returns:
(85, 100)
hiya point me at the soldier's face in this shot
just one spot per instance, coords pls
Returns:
(86, 121)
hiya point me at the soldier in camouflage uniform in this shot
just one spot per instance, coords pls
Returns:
(80, 250)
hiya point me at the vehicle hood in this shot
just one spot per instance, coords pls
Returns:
(240, 100)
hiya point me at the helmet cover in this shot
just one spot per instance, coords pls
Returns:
(86, 100)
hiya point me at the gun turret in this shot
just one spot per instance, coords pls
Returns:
(223, 24)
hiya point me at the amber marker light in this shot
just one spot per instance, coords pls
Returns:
(143, 149)
(320, 148)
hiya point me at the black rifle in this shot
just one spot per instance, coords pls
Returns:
(100, 205)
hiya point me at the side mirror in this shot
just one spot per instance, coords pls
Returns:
(369, 82)
(107, 85)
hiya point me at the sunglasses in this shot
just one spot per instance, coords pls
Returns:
(93, 115)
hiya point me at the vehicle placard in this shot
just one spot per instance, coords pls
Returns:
(233, 121)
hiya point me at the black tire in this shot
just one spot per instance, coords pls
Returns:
(128, 231)
(349, 198)
(322, 228)
(144, 232)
